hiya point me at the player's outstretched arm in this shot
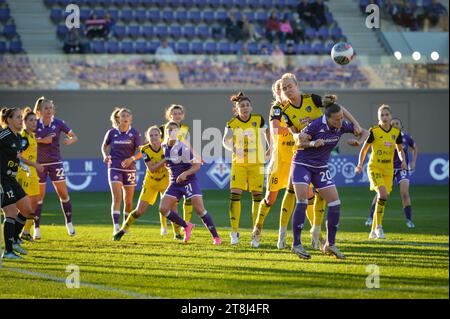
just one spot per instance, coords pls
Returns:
(362, 156)
(350, 117)
(360, 138)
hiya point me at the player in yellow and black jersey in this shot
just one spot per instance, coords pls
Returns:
(385, 140)
(245, 136)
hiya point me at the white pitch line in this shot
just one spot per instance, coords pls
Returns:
(85, 284)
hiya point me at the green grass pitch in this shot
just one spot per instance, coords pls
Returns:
(413, 263)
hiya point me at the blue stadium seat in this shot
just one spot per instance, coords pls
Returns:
(310, 33)
(182, 47)
(140, 16)
(251, 16)
(9, 31)
(189, 32)
(240, 3)
(174, 3)
(188, 3)
(224, 47)
(208, 16)
(323, 33)
(161, 31)
(200, 3)
(119, 3)
(227, 4)
(159, 3)
(141, 47)
(211, 48)
(147, 3)
(203, 32)
(127, 47)
(147, 31)
(112, 47)
(336, 33)
(134, 31)
(330, 18)
(175, 31)
(154, 16)
(254, 4)
(98, 46)
(221, 16)
(319, 48)
(168, 16)
(292, 4)
(100, 13)
(328, 47)
(56, 15)
(2, 47)
(304, 48)
(15, 47)
(197, 47)
(126, 15)
(181, 16)
(133, 3)
(267, 4)
(114, 14)
(194, 16)
(281, 4)
(85, 14)
(262, 16)
(152, 46)
(93, 3)
(214, 3)
(104, 3)
(50, 3)
(253, 48)
(61, 31)
(119, 31)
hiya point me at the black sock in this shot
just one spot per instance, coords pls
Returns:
(9, 229)
(20, 223)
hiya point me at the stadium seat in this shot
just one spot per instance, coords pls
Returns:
(56, 15)
(208, 16)
(168, 16)
(147, 31)
(152, 46)
(194, 16)
(147, 3)
(323, 33)
(126, 47)
(200, 3)
(224, 47)
(227, 4)
(211, 48)
(330, 18)
(85, 14)
(9, 31)
(61, 31)
(119, 3)
(140, 16)
(5, 14)
(253, 48)
(175, 31)
(119, 31)
(182, 47)
(112, 47)
(161, 31)
(197, 47)
(292, 4)
(267, 4)
(105, 3)
(203, 32)
(114, 14)
(141, 47)
(240, 3)
(319, 48)
(98, 46)
(336, 33)
(304, 48)
(188, 3)
(159, 3)
(181, 16)
(189, 32)
(214, 3)
(254, 4)
(133, 3)
(50, 3)
(154, 16)
(310, 33)
(100, 13)
(221, 16)
(251, 16)
(262, 16)
(2, 47)
(92, 3)
(134, 31)
(174, 3)
(126, 15)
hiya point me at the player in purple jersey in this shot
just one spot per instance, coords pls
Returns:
(48, 132)
(182, 168)
(120, 149)
(401, 177)
(310, 165)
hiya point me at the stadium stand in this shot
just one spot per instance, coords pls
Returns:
(9, 38)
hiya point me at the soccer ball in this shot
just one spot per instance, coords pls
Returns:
(342, 53)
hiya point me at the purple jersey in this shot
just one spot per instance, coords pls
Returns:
(123, 145)
(178, 159)
(318, 129)
(407, 142)
(50, 153)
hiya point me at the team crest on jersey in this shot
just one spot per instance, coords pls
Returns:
(53, 127)
(130, 135)
(254, 124)
(219, 174)
(306, 177)
(308, 109)
(24, 143)
(277, 112)
(393, 137)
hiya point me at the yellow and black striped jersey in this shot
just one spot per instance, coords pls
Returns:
(248, 139)
(383, 146)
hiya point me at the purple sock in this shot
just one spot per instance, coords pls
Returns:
(37, 216)
(67, 209)
(175, 218)
(408, 212)
(372, 210)
(208, 222)
(298, 219)
(332, 223)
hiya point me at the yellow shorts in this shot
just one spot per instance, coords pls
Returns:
(247, 177)
(150, 190)
(278, 177)
(379, 177)
(29, 184)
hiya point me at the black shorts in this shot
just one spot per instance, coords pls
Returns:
(12, 191)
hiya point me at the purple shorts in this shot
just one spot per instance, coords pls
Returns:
(189, 190)
(55, 171)
(319, 177)
(400, 175)
(127, 178)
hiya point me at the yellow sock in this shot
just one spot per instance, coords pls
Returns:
(163, 221)
(379, 211)
(235, 211)
(262, 214)
(130, 220)
(287, 207)
(319, 209)
(176, 229)
(310, 212)
(187, 210)
(256, 201)
(27, 227)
